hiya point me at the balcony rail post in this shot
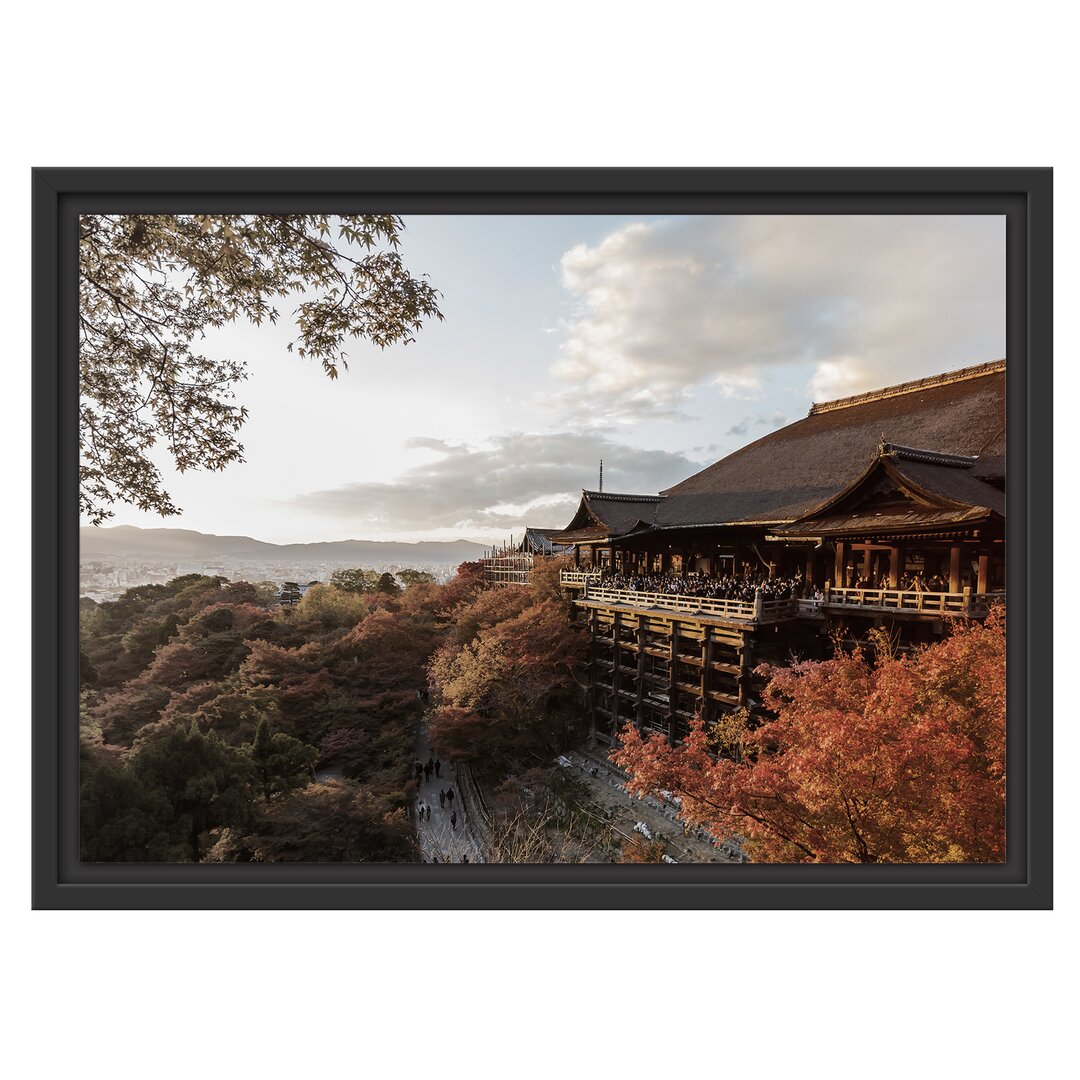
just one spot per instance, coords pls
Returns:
(759, 606)
(967, 600)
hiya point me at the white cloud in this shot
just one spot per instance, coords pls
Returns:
(515, 480)
(662, 309)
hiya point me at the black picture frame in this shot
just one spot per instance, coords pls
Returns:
(1024, 196)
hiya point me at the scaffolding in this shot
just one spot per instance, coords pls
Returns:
(504, 566)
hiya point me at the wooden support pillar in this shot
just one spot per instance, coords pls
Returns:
(840, 574)
(867, 564)
(746, 663)
(984, 572)
(594, 627)
(673, 693)
(954, 568)
(809, 578)
(706, 676)
(577, 556)
(896, 560)
(616, 673)
(642, 634)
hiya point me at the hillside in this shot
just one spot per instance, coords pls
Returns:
(127, 541)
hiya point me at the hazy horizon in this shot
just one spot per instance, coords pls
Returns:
(107, 526)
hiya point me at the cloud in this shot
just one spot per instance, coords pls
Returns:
(515, 480)
(768, 420)
(662, 309)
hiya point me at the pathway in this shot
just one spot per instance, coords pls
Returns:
(440, 841)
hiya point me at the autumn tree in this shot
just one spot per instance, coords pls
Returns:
(152, 285)
(897, 760)
(642, 851)
(334, 822)
(511, 692)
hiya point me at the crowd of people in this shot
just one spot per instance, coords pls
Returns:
(745, 586)
(731, 587)
(908, 583)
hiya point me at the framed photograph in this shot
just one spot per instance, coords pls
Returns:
(542, 538)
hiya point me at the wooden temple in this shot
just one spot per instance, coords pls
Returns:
(885, 508)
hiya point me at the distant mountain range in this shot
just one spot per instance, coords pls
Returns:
(186, 545)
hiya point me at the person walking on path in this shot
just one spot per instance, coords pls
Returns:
(450, 795)
(453, 820)
(427, 811)
(438, 766)
(427, 771)
(442, 799)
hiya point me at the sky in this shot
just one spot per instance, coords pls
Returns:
(657, 344)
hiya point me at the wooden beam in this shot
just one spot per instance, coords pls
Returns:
(616, 674)
(642, 640)
(954, 568)
(746, 660)
(896, 559)
(840, 574)
(984, 572)
(593, 631)
(706, 675)
(673, 691)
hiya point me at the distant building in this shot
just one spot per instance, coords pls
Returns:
(539, 542)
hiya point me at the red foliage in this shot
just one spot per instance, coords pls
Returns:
(902, 761)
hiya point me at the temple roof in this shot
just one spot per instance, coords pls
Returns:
(539, 542)
(790, 472)
(604, 514)
(905, 490)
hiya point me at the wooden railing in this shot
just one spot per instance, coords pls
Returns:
(757, 610)
(966, 603)
(579, 577)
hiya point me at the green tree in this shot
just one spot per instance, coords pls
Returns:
(355, 581)
(150, 286)
(409, 577)
(290, 593)
(121, 818)
(386, 584)
(282, 762)
(204, 780)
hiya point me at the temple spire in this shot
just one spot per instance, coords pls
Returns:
(601, 474)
